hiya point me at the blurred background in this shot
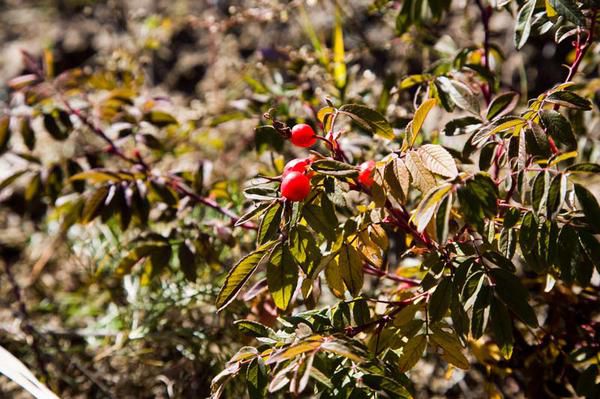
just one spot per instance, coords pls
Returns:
(218, 66)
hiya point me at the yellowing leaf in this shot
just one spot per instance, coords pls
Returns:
(438, 160)
(419, 118)
(397, 178)
(334, 279)
(452, 348)
(339, 65)
(429, 204)
(421, 176)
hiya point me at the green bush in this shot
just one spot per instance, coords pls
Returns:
(440, 222)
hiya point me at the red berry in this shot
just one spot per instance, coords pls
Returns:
(303, 135)
(365, 173)
(295, 186)
(296, 165)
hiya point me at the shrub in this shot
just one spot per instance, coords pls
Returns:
(449, 221)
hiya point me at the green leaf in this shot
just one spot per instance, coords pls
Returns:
(412, 352)
(514, 295)
(452, 348)
(502, 105)
(257, 379)
(481, 306)
(569, 99)
(93, 204)
(5, 133)
(383, 383)
(558, 127)
(303, 248)
(187, 261)
(282, 276)
(524, 22)
(502, 326)
(55, 130)
(584, 168)
(591, 247)
(462, 125)
(160, 118)
(536, 141)
(369, 119)
(240, 273)
(351, 269)
(254, 328)
(10, 179)
(556, 195)
(269, 224)
(331, 167)
(267, 137)
(440, 300)
(539, 192)
(460, 94)
(589, 206)
(478, 199)
(569, 10)
(317, 220)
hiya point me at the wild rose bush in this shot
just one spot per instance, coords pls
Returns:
(449, 222)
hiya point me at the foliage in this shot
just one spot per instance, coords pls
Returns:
(474, 247)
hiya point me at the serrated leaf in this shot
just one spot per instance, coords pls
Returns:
(452, 348)
(282, 276)
(419, 119)
(569, 10)
(397, 178)
(460, 94)
(257, 379)
(558, 127)
(589, 206)
(351, 269)
(502, 104)
(318, 221)
(462, 125)
(510, 290)
(438, 160)
(269, 224)
(501, 325)
(333, 276)
(239, 274)
(439, 302)
(331, 167)
(412, 352)
(370, 119)
(524, 22)
(429, 204)
(421, 176)
(569, 99)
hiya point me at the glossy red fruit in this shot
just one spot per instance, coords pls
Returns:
(365, 173)
(295, 186)
(296, 165)
(303, 135)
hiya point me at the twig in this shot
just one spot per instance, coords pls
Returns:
(26, 326)
(486, 13)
